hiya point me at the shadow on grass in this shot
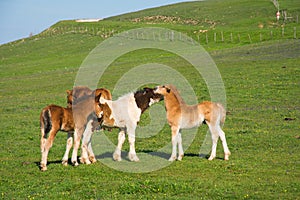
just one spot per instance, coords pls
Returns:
(206, 156)
(56, 162)
(125, 157)
(158, 154)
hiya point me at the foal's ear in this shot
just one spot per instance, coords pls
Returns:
(69, 92)
(97, 98)
(146, 89)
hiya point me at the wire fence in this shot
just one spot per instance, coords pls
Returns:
(202, 37)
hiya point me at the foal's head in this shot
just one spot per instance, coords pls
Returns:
(107, 118)
(97, 107)
(162, 89)
(74, 95)
(80, 93)
(146, 97)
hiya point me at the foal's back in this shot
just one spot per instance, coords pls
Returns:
(57, 117)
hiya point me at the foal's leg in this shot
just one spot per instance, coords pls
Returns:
(224, 143)
(131, 138)
(43, 140)
(84, 158)
(68, 148)
(175, 131)
(180, 149)
(77, 136)
(121, 139)
(43, 163)
(214, 137)
(86, 140)
(47, 145)
(92, 157)
(91, 154)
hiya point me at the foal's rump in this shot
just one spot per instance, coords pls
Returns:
(212, 112)
(222, 113)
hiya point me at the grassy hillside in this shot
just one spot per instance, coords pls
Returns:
(213, 23)
(262, 88)
(234, 16)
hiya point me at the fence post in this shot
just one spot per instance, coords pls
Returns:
(271, 34)
(215, 37)
(249, 38)
(239, 37)
(231, 38)
(282, 32)
(260, 37)
(222, 36)
(206, 37)
(295, 33)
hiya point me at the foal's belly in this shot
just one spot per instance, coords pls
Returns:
(191, 120)
(190, 123)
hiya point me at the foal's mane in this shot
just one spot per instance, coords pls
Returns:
(176, 94)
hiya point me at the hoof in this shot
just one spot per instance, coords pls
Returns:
(75, 163)
(133, 157)
(117, 157)
(92, 159)
(64, 162)
(81, 160)
(226, 157)
(84, 161)
(43, 168)
(180, 157)
(211, 158)
(172, 158)
(87, 162)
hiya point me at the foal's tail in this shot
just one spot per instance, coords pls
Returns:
(222, 114)
(45, 126)
(45, 121)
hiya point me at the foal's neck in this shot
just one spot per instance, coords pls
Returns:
(172, 102)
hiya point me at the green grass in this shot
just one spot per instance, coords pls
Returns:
(262, 89)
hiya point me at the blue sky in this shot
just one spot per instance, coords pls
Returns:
(19, 18)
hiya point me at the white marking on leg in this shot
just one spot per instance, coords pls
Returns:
(224, 143)
(132, 154)
(87, 135)
(75, 148)
(68, 148)
(152, 101)
(180, 148)
(117, 153)
(214, 137)
(175, 131)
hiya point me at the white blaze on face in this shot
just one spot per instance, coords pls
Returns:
(102, 100)
(152, 101)
(100, 114)
(158, 90)
(109, 103)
